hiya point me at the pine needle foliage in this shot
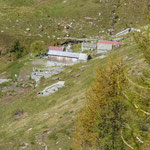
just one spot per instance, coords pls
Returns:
(143, 41)
(99, 124)
(136, 132)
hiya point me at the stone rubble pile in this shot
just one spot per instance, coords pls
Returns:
(46, 73)
(52, 89)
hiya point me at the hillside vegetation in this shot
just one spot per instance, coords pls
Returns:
(48, 122)
(32, 122)
(79, 18)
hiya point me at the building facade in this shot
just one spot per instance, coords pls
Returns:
(88, 46)
(104, 46)
(67, 57)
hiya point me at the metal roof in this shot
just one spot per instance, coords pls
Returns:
(55, 48)
(109, 42)
(64, 54)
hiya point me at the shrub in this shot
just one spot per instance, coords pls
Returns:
(38, 47)
(17, 49)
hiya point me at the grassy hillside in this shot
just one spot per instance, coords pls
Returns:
(48, 121)
(87, 17)
(50, 20)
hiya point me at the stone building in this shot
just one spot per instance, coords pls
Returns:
(69, 48)
(104, 46)
(88, 46)
(67, 57)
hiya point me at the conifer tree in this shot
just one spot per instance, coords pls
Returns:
(99, 124)
(137, 130)
(143, 41)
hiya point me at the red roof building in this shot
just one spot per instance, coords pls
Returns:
(109, 42)
(55, 48)
(104, 46)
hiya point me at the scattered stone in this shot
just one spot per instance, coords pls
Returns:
(81, 69)
(52, 89)
(99, 14)
(24, 145)
(29, 129)
(16, 75)
(84, 66)
(41, 26)
(125, 58)
(27, 29)
(67, 35)
(4, 80)
(69, 71)
(131, 58)
(57, 142)
(55, 78)
(44, 134)
(2, 73)
(78, 75)
(146, 27)
(40, 35)
(46, 114)
(45, 147)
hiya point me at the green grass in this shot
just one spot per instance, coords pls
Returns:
(56, 113)
(62, 107)
(51, 13)
(55, 15)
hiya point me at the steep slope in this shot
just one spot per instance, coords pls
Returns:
(47, 122)
(32, 122)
